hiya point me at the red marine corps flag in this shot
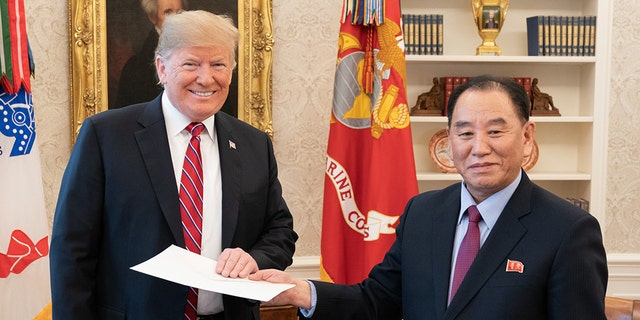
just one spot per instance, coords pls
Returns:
(370, 170)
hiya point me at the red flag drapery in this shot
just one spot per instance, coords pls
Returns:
(370, 169)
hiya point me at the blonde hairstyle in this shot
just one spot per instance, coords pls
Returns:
(197, 28)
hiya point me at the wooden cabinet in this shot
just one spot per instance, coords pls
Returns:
(572, 147)
(278, 313)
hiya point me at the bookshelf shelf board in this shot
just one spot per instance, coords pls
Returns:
(502, 59)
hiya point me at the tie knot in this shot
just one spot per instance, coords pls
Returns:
(195, 128)
(474, 214)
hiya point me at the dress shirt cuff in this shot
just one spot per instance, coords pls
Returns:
(308, 313)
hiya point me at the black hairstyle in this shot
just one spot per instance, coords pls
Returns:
(515, 91)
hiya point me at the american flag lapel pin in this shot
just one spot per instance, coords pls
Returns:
(515, 266)
(232, 145)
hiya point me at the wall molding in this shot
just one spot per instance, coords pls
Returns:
(305, 267)
(624, 273)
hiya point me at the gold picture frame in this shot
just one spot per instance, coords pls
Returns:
(88, 62)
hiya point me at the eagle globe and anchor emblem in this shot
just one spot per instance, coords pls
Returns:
(378, 111)
(352, 106)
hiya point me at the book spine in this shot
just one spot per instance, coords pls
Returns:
(434, 34)
(581, 37)
(546, 36)
(428, 34)
(564, 27)
(574, 35)
(558, 35)
(540, 35)
(518, 80)
(457, 81)
(410, 43)
(429, 37)
(405, 32)
(535, 45)
(447, 88)
(440, 25)
(587, 35)
(526, 84)
(418, 29)
(592, 36)
(409, 34)
(417, 34)
(552, 35)
(569, 35)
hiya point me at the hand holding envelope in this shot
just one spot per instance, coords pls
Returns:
(187, 268)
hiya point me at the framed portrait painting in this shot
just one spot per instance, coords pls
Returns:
(111, 56)
(491, 17)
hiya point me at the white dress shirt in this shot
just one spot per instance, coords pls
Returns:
(490, 210)
(176, 122)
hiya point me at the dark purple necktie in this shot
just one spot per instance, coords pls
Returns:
(468, 249)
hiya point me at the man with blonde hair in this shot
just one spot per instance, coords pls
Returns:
(172, 171)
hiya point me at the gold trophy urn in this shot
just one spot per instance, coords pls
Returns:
(489, 16)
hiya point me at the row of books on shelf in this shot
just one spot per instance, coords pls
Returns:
(437, 97)
(580, 202)
(561, 35)
(423, 34)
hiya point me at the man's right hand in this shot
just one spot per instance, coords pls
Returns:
(299, 296)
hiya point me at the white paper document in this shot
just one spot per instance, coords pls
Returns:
(184, 267)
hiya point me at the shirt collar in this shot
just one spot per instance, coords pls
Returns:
(176, 121)
(492, 207)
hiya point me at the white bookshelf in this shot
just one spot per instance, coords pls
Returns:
(572, 147)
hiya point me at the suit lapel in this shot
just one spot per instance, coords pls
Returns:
(505, 235)
(444, 225)
(154, 148)
(228, 147)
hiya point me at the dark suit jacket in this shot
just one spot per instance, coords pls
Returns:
(560, 246)
(118, 206)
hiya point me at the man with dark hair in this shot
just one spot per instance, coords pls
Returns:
(495, 246)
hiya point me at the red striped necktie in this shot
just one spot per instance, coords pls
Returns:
(190, 196)
(468, 249)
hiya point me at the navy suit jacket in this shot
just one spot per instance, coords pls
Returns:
(118, 206)
(560, 246)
